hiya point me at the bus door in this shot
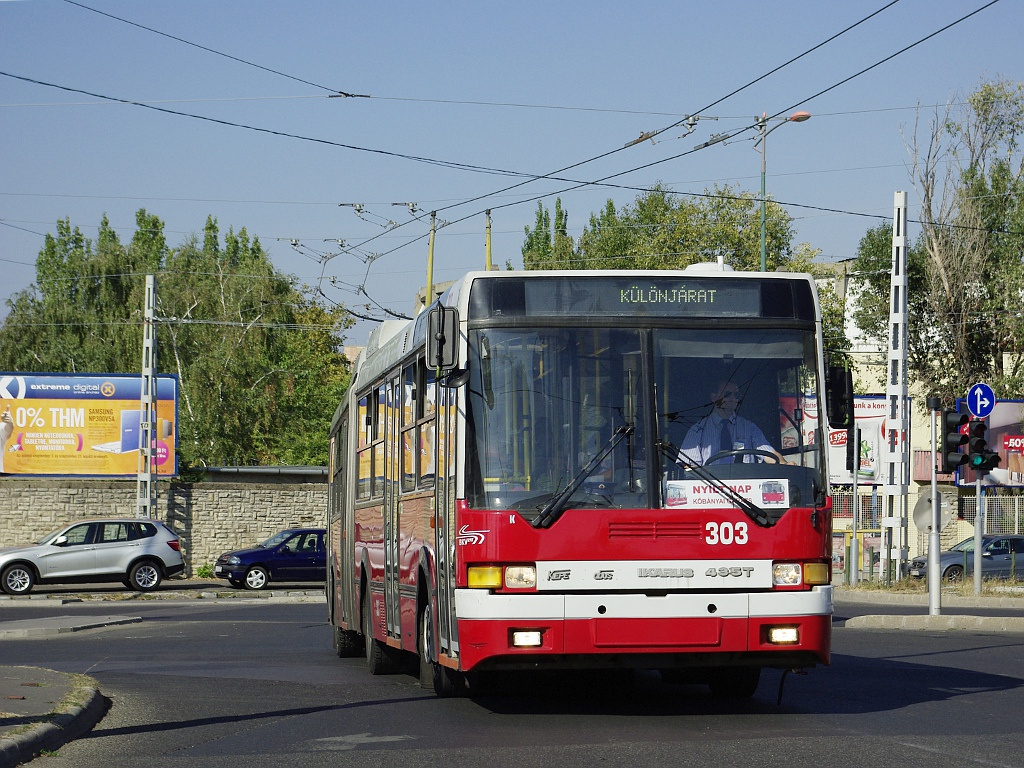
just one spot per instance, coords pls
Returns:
(444, 518)
(392, 527)
(344, 514)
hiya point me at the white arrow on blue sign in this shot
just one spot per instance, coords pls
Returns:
(981, 400)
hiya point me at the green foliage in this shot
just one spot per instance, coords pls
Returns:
(85, 311)
(204, 571)
(965, 273)
(259, 360)
(547, 248)
(833, 309)
(664, 231)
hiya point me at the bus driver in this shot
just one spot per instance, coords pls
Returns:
(723, 430)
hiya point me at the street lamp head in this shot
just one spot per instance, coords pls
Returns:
(799, 117)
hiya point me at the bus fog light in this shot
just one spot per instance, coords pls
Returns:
(787, 574)
(526, 638)
(520, 577)
(783, 635)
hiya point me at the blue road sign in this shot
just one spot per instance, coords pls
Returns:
(981, 400)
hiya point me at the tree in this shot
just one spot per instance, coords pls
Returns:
(833, 310)
(84, 312)
(661, 230)
(547, 248)
(258, 358)
(966, 278)
(243, 344)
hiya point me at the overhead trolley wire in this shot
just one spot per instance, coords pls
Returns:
(332, 91)
(529, 177)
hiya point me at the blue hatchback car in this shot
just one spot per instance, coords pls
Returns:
(296, 554)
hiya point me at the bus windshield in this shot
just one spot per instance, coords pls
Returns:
(633, 418)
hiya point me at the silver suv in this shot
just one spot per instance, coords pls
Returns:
(138, 552)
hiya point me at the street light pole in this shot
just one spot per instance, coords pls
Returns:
(762, 127)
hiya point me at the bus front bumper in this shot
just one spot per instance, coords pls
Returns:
(773, 629)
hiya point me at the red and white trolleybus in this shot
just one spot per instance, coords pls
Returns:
(508, 489)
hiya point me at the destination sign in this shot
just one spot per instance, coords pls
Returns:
(497, 298)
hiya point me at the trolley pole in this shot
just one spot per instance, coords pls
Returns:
(428, 294)
(487, 245)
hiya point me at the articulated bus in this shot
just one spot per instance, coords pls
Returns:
(509, 488)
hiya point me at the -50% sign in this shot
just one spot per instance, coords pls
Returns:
(1013, 442)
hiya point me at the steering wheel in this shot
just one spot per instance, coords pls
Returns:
(742, 452)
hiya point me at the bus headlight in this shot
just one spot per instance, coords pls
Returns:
(787, 574)
(520, 577)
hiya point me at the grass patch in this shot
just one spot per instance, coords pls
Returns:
(989, 587)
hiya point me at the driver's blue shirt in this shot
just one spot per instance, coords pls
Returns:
(704, 440)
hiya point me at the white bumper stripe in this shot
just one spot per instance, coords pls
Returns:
(602, 575)
(481, 604)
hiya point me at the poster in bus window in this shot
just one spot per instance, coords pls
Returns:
(696, 494)
(90, 424)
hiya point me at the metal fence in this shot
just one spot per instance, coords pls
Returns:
(1003, 514)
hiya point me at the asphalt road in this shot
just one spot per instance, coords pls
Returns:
(203, 683)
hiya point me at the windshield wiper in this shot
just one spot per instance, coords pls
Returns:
(749, 508)
(554, 508)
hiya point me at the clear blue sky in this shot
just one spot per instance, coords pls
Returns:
(528, 87)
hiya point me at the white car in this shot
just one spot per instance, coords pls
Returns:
(139, 552)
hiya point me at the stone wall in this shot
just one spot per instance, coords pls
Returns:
(211, 517)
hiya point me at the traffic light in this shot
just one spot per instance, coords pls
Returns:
(981, 458)
(953, 436)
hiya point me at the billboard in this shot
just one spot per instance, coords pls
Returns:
(68, 424)
(870, 413)
(1005, 437)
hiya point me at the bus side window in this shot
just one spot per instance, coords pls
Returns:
(364, 456)
(379, 394)
(427, 455)
(411, 394)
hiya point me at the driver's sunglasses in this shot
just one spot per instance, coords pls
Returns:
(731, 393)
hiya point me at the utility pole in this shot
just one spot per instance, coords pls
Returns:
(896, 460)
(853, 567)
(934, 542)
(146, 487)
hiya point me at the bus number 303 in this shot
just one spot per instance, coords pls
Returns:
(726, 533)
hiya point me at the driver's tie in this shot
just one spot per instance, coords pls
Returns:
(726, 444)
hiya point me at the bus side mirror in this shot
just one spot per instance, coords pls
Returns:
(839, 396)
(442, 338)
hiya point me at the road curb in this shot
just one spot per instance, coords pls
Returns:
(938, 623)
(60, 625)
(65, 725)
